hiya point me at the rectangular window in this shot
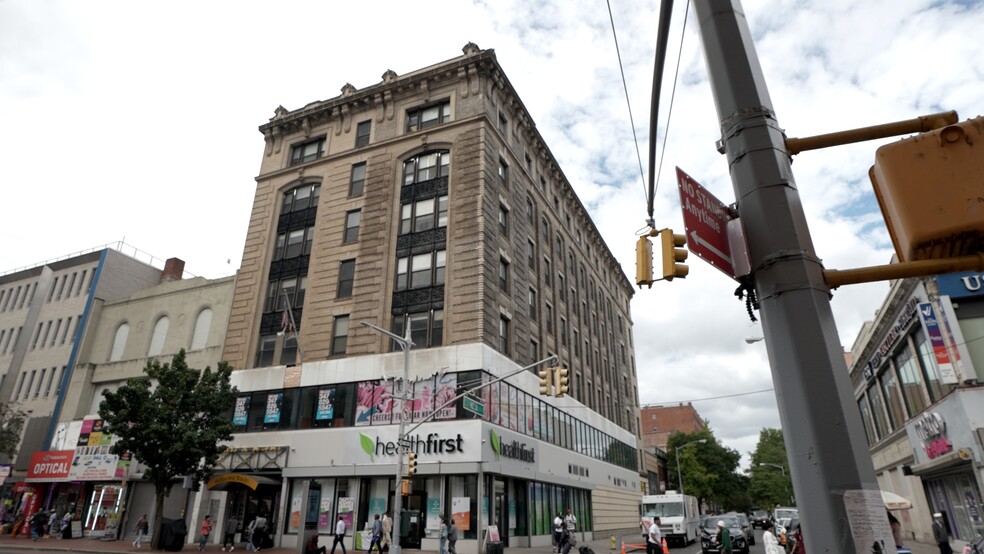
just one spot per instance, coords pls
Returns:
(37, 391)
(339, 335)
(503, 275)
(357, 180)
(428, 116)
(352, 220)
(51, 378)
(37, 335)
(346, 277)
(440, 260)
(546, 271)
(420, 274)
(563, 331)
(503, 126)
(54, 335)
(30, 384)
(264, 356)
(81, 280)
(20, 385)
(503, 172)
(71, 285)
(548, 315)
(503, 221)
(362, 133)
(51, 293)
(531, 254)
(61, 287)
(307, 151)
(534, 350)
(915, 393)
(532, 305)
(503, 335)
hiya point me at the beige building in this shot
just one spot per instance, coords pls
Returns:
(428, 202)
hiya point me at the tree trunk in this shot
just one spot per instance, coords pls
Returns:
(155, 531)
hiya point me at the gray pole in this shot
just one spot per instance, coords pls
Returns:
(821, 425)
(405, 343)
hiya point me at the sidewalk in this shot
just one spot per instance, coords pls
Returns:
(98, 546)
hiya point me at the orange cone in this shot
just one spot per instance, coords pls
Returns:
(623, 548)
(666, 547)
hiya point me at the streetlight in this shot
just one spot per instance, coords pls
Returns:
(781, 468)
(405, 344)
(679, 475)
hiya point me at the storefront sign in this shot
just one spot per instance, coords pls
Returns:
(50, 466)
(940, 351)
(931, 429)
(958, 285)
(232, 478)
(906, 315)
(514, 449)
(433, 444)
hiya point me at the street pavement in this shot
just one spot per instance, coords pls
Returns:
(98, 546)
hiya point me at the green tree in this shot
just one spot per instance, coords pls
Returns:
(172, 420)
(708, 469)
(770, 483)
(11, 426)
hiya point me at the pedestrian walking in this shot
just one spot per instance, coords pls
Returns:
(723, 538)
(443, 542)
(141, 528)
(206, 530)
(769, 539)
(387, 531)
(339, 535)
(257, 532)
(377, 534)
(570, 521)
(229, 537)
(893, 522)
(37, 524)
(940, 534)
(654, 538)
(557, 523)
(452, 537)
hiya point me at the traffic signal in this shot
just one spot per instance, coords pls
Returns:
(545, 376)
(405, 487)
(411, 464)
(644, 262)
(673, 253)
(561, 380)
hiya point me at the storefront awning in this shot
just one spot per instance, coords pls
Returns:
(227, 481)
(946, 461)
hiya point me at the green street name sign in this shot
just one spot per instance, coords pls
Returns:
(473, 406)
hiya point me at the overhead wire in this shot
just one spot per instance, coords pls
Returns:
(669, 111)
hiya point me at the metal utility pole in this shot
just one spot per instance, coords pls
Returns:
(822, 428)
(405, 343)
(679, 474)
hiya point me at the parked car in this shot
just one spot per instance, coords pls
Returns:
(759, 518)
(709, 533)
(746, 527)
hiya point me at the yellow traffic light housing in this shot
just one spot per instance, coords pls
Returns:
(546, 376)
(644, 262)
(411, 464)
(405, 487)
(561, 380)
(673, 253)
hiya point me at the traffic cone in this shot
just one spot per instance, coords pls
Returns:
(666, 547)
(623, 548)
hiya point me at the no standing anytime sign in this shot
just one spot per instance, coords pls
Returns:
(706, 220)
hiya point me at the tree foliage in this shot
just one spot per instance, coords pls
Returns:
(769, 485)
(11, 426)
(709, 470)
(172, 420)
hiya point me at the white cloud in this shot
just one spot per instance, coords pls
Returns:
(145, 116)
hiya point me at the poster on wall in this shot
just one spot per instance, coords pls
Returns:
(931, 323)
(346, 507)
(240, 414)
(512, 513)
(324, 513)
(422, 403)
(274, 402)
(447, 388)
(376, 506)
(461, 512)
(294, 521)
(365, 404)
(326, 404)
(383, 397)
(493, 404)
(433, 513)
(513, 410)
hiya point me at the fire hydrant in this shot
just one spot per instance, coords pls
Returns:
(613, 542)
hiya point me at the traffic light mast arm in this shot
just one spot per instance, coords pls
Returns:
(920, 124)
(473, 389)
(919, 268)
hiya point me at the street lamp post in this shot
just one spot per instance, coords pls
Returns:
(405, 344)
(680, 475)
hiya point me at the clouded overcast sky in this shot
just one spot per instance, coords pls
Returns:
(138, 120)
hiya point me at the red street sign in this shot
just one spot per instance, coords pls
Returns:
(706, 219)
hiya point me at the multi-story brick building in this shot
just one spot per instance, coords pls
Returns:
(428, 202)
(657, 423)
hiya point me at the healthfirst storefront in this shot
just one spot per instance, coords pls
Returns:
(475, 473)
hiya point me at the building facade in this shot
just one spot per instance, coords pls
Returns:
(916, 383)
(427, 205)
(657, 423)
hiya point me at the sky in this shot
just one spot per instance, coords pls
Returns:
(136, 122)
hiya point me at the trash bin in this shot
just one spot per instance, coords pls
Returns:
(171, 535)
(493, 548)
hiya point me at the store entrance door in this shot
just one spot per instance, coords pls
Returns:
(412, 520)
(501, 511)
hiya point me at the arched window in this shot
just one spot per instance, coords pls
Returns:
(202, 325)
(301, 198)
(157, 339)
(119, 342)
